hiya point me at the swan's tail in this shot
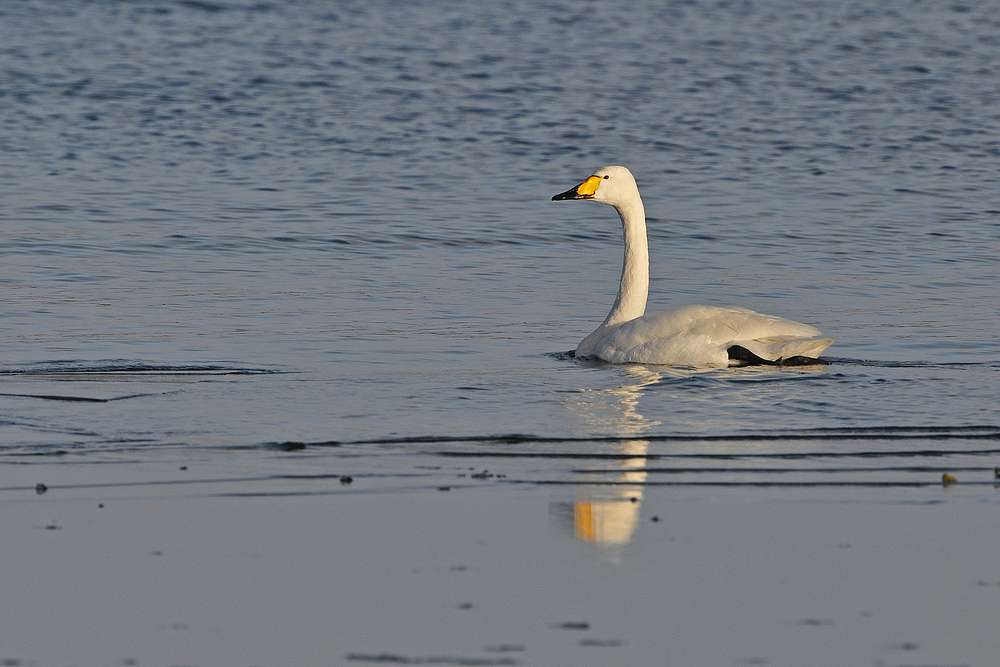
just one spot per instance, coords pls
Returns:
(778, 351)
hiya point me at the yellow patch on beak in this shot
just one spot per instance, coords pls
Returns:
(589, 186)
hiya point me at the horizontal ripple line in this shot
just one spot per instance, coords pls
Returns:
(977, 432)
(783, 471)
(727, 456)
(811, 484)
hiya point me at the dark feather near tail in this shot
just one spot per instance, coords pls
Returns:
(745, 357)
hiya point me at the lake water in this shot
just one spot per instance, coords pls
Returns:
(234, 229)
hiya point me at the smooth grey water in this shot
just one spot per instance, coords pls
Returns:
(232, 224)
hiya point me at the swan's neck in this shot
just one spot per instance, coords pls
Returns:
(634, 287)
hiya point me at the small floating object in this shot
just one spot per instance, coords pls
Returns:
(571, 625)
(603, 643)
(288, 446)
(505, 648)
(346, 479)
(996, 473)
(40, 488)
(947, 479)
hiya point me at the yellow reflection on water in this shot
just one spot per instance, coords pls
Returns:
(609, 513)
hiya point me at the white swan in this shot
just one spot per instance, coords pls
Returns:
(692, 336)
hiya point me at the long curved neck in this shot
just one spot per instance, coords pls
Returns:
(634, 288)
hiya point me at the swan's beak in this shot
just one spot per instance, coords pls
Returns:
(585, 190)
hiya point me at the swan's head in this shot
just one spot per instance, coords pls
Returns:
(609, 185)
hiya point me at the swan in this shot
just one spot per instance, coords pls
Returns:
(690, 336)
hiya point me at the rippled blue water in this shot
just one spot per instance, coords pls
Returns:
(281, 283)
(247, 221)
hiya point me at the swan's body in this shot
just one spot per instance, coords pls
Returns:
(690, 336)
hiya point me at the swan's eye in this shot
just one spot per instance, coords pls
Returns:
(606, 177)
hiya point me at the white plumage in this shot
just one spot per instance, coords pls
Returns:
(693, 336)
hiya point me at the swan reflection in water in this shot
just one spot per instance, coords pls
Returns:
(607, 512)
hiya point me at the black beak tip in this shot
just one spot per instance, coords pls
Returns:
(569, 194)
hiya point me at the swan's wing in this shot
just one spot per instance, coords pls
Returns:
(701, 336)
(774, 338)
